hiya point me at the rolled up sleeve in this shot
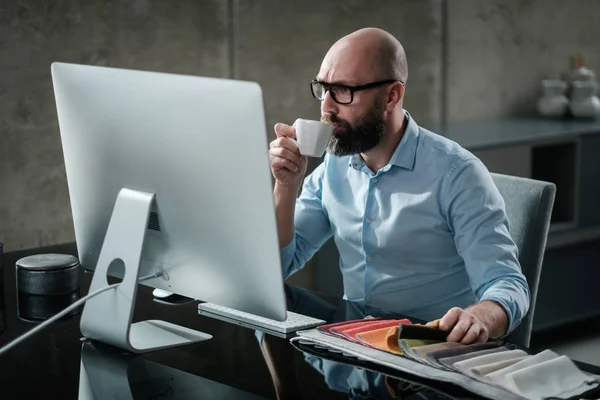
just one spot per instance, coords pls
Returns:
(476, 214)
(311, 225)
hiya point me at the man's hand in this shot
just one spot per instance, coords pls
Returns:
(287, 164)
(476, 324)
(464, 326)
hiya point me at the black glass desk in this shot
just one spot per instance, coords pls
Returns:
(58, 363)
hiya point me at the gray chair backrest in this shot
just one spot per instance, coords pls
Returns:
(529, 205)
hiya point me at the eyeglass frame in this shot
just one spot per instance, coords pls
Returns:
(327, 87)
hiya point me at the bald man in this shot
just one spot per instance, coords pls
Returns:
(419, 225)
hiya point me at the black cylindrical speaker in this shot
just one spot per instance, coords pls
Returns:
(48, 274)
(36, 308)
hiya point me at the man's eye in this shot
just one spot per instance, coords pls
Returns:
(340, 89)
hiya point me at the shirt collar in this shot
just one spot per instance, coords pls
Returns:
(406, 151)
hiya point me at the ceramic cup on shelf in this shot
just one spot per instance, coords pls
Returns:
(578, 71)
(584, 102)
(553, 102)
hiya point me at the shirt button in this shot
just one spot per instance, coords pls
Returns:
(368, 220)
(374, 180)
(370, 259)
(368, 298)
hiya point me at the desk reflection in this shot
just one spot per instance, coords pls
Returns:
(109, 373)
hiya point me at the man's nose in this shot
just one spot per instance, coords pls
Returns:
(328, 105)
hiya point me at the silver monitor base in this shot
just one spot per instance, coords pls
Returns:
(107, 316)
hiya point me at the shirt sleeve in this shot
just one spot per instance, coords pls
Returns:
(311, 224)
(477, 217)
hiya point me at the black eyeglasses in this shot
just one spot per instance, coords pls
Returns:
(341, 94)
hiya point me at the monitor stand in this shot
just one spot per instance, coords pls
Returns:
(107, 317)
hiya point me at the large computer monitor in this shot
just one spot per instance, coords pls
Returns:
(170, 174)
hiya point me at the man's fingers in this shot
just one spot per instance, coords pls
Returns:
(278, 163)
(285, 142)
(484, 335)
(464, 327)
(283, 130)
(450, 319)
(287, 154)
(459, 331)
(472, 334)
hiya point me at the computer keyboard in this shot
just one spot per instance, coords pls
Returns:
(293, 323)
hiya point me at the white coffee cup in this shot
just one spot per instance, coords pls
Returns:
(312, 137)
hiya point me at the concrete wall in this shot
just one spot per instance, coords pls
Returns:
(499, 50)
(182, 37)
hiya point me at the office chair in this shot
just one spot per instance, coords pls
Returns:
(529, 206)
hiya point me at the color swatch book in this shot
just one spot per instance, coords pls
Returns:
(493, 369)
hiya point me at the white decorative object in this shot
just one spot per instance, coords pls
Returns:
(553, 102)
(579, 71)
(584, 102)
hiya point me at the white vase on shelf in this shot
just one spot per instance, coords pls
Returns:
(553, 102)
(584, 102)
(578, 71)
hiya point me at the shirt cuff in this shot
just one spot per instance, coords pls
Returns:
(512, 323)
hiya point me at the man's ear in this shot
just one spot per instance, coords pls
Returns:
(395, 96)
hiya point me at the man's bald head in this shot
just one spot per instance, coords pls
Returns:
(370, 51)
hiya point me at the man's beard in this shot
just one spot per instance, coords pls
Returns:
(367, 133)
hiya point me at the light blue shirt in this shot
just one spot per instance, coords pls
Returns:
(424, 234)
